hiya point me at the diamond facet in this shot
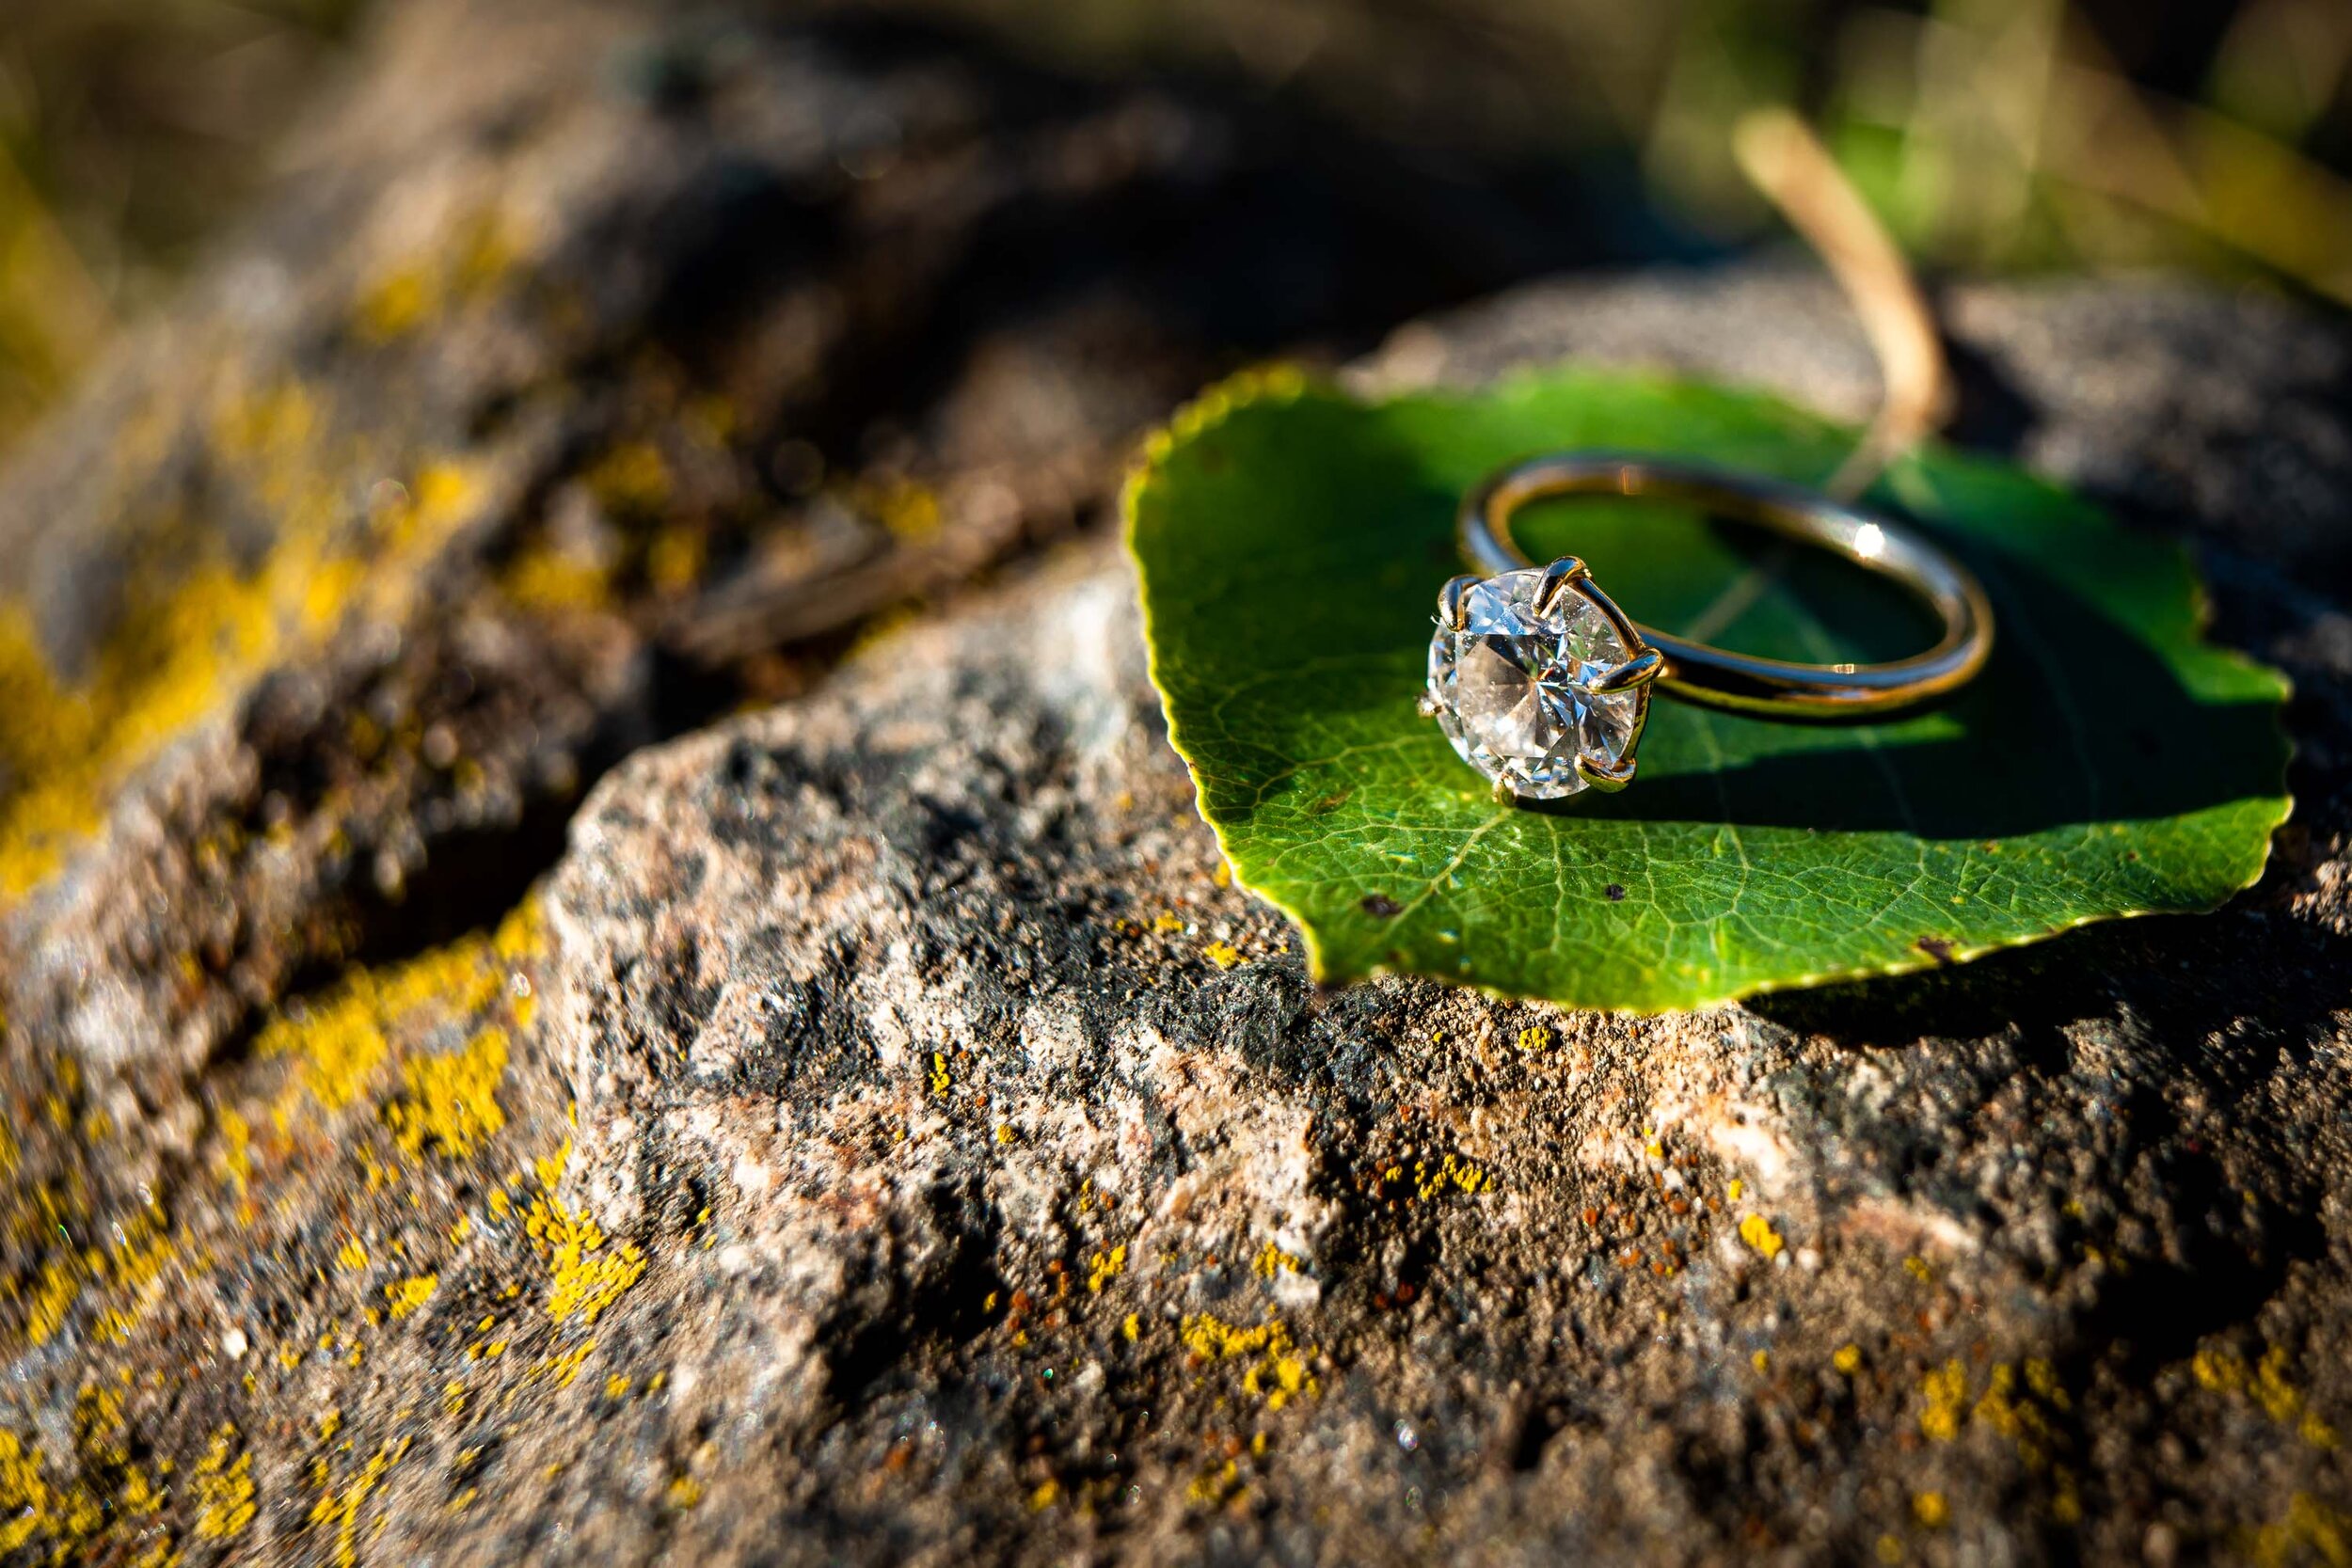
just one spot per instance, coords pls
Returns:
(1511, 686)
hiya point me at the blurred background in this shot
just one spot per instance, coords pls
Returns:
(1989, 135)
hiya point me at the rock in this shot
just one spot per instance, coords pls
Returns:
(596, 369)
(882, 1135)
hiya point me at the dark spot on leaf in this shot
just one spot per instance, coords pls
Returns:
(1380, 905)
(1938, 948)
(1614, 892)
(1331, 802)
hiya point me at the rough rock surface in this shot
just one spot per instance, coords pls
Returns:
(881, 1137)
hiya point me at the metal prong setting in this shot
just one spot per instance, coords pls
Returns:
(1628, 633)
(1642, 666)
(1450, 611)
(1642, 669)
(1602, 776)
(1555, 581)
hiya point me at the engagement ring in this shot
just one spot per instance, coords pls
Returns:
(1543, 684)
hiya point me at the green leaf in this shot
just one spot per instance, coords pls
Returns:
(1290, 541)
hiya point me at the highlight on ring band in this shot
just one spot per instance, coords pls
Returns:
(1543, 684)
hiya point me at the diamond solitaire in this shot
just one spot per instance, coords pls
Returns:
(1539, 681)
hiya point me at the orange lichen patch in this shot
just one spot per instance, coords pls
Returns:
(451, 1100)
(684, 1492)
(1279, 1366)
(1222, 953)
(224, 1489)
(131, 1272)
(342, 1510)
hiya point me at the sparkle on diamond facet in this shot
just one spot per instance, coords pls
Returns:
(1512, 686)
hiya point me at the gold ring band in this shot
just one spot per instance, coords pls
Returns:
(1743, 682)
(1542, 682)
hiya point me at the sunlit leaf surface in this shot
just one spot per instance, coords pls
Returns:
(1290, 541)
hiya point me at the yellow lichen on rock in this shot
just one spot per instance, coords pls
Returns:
(1945, 1390)
(406, 298)
(224, 1489)
(1272, 1261)
(1106, 1268)
(128, 1271)
(2222, 1370)
(1279, 1365)
(342, 1510)
(451, 1100)
(1758, 1233)
(344, 1040)
(633, 479)
(403, 1296)
(545, 578)
(2310, 1530)
(588, 1272)
(1450, 1174)
(33, 1509)
(193, 623)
